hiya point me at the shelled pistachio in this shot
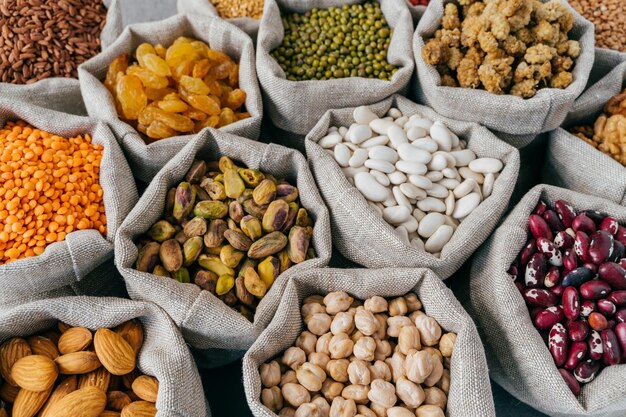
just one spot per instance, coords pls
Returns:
(231, 230)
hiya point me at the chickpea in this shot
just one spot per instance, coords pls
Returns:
(447, 362)
(398, 307)
(413, 303)
(436, 397)
(309, 410)
(382, 393)
(359, 372)
(429, 411)
(356, 335)
(340, 346)
(409, 338)
(312, 308)
(379, 410)
(343, 322)
(318, 323)
(381, 333)
(446, 344)
(322, 404)
(357, 393)
(430, 331)
(444, 382)
(287, 412)
(435, 374)
(414, 315)
(294, 357)
(396, 363)
(312, 299)
(319, 358)
(310, 376)
(435, 353)
(376, 304)
(418, 365)
(322, 343)
(338, 369)
(289, 376)
(365, 321)
(394, 324)
(337, 301)
(342, 408)
(399, 412)
(383, 350)
(270, 374)
(365, 411)
(410, 393)
(295, 394)
(380, 370)
(331, 389)
(307, 342)
(272, 398)
(365, 348)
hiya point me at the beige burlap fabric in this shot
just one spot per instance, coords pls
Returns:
(205, 321)
(362, 236)
(163, 355)
(64, 263)
(247, 24)
(470, 392)
(505, 113)
(147, 160)
(518, 357)
(295, 106)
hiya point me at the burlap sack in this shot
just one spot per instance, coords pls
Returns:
(147, 160)
(470, 392)
(163, 355)
(506, 113)
(205, 321)
(362, 236)
(518, 357)
(416, 12)
(205, 7)
(571, 162)
(71, 261)
(295, 106)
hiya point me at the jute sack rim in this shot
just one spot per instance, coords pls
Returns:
(247, 24)
(324, 167)
(105, 312)
(270, 73)
(201, 27)
(465, 391)
(507, 310)
(214, 143)
(113, 171)
(427, 75)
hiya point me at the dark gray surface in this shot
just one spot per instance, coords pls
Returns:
(223, 386)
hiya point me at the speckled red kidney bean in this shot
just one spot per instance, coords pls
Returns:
(513, 272)
(620, 333)
(539, 227)
(618, 298)
(609, 224)
(597, 321)
(539, 297)
(620, 315)
(577, 277)
(535, 270)
(612, 352)
(619, 250)
(606, 307)
(586, 371)
(613, 274)
(552, 277)
(528, 251)
(595, 215)
(581, 245)
(591, 266)
(571, 381)
(577, 352)
(563, 240)
(570, 260)
(540, 208)
(565, 211)
(553, 220)
(557, 290)
(547, 318)
(577, 330)
(571, 303)
(582, 223)
(622, 263)
(557, 343)
(594, 341)
(587, 307)
(594, 290)
(621, 234)
(601, 246)
(551, 252)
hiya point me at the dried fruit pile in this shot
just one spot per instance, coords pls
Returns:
(608, 133)
(73, 372)
(232, 9)
(232, 230)
(178, 90)
(50, 187)
(572, 275)
(375, 358)
(41, 39)
(506, 47)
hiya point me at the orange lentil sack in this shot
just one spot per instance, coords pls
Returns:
(49, 187)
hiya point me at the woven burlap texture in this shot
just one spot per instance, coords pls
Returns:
(64, 263)
(163, 355)
(505, 113)
(470, 392)
(362, 236)
(518, 357)
(147, 160)
(205, 7)
(205, 321)
(296, 106)
(571, 162)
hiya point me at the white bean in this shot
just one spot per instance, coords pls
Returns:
(358, 133)
(440, 134)
(414, 133)
(466, 205)
(439, 239)
(486, 165)
(408, 152)
(382, 178)
(426, 144)
(438, 191)
(384, 153)
(380, 165)
(430, 223)
(431, 204)
(397, 178)
(488, 184)
(342, 155)
(329, 141)
(396, 214)
(396, 136)
(420, 181)
(411, 167)
(464, 157)
(363, 115)
(370, 188)
(375, 141)
(412, 192)
(358, 158)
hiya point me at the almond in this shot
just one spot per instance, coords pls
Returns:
(3, 412)
(132, 332)
(133, 397)
(115, 354)
(128, 379)
(35, 373)
(146, 387)
(99, 378)
(108, 413)
(139, 409)
(10, 352)
(85, 402)
(78, 363)
(63, 327)
(53, 335)
(8, 393)
(27, 403)
(67, 386)
(75, 340)
(117, 400)
(40, 345)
